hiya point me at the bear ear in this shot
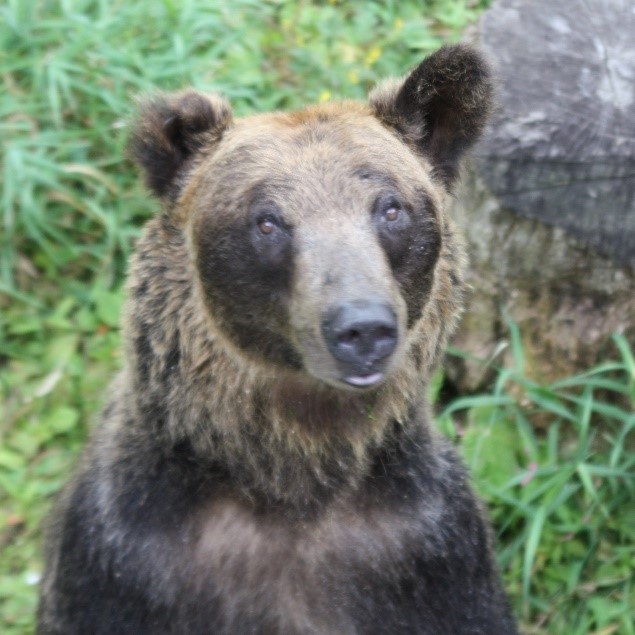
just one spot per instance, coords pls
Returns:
(441, 108)
(170, 129)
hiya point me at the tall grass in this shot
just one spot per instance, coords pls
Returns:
(556, 463)
(71, 207)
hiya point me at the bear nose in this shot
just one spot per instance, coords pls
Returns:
(361, 333)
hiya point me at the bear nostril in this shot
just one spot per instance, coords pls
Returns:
(352, 336)
(384, 340)
(386, 332)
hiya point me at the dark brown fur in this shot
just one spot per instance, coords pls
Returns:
(236, 484)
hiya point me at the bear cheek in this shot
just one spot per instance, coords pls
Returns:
(413, 266)
(246, 297)
(417, 275)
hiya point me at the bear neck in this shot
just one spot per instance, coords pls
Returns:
(275, 434)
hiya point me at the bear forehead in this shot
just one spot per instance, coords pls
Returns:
(329, 152)
(336, 135)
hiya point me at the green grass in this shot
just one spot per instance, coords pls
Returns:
(554, 462)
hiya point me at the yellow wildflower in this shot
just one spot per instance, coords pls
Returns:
(372, 56)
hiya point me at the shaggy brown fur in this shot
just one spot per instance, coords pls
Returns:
(239, 481)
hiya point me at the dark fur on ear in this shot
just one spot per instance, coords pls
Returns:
(441, 108)
(169, 131)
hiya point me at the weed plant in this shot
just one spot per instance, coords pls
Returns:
(71, 208)
(556, 465)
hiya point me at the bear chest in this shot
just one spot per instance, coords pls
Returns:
(298, 575)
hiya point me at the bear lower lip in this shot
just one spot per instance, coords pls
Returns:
(363, 381)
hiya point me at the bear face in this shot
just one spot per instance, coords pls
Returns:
(315, 235)
(335, 257)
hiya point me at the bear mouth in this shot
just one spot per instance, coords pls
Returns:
(364, 381)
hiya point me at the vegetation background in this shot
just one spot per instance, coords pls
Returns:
(554, 462)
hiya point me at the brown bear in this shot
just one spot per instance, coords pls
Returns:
(266, 462)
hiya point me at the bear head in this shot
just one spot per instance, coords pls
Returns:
(316, 235)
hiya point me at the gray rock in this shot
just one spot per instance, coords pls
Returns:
(549, 202)
(562, 146)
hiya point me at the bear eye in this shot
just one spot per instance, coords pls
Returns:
(266, 226)
(392, 213)
(268, 223)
